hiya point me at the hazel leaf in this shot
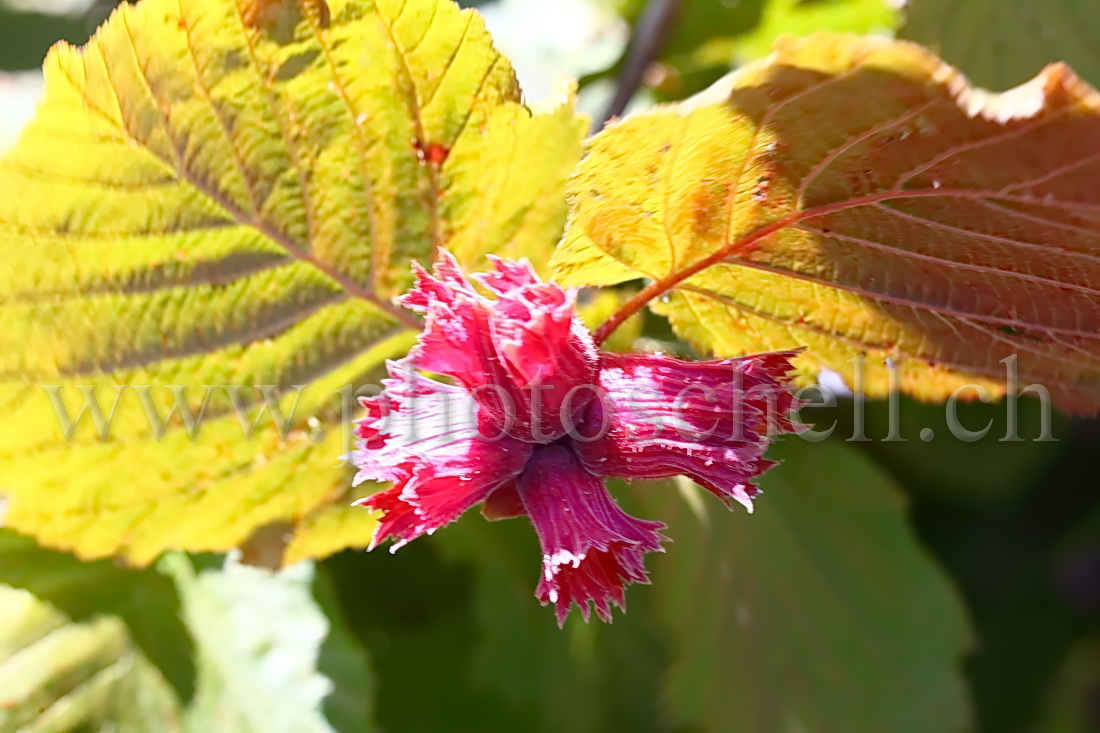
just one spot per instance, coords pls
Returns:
(857, 196)
(214, 208)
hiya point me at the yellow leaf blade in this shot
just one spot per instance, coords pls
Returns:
(208, 201)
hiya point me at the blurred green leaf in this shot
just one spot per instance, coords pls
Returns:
(349, 706)
(57, 674)
(461, 644)
(609, 674)
(259, 636)
(413, 611)
(1072, 707)
(817, 614)
(76, 640)
(237, 649)
(26, 37)
(1001, 43)
(144, 600)
(988, 472)
(712, 36)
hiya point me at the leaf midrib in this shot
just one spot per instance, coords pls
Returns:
(180, 171)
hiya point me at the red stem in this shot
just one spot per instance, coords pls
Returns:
(658, 288)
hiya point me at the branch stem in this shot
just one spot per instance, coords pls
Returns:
(647, 40)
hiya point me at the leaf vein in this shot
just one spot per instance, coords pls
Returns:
(898, 300)
(954, 264)
(950, 228)
(407, 85)
(858, 344)
(379, 251)
(851, 142)
(970, 145)
(263, 330)
(1059, 171)
(238, 161)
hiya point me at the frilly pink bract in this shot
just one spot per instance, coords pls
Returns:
(538, 417)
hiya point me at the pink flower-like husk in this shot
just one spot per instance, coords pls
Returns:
(518, 355)
(537, 418)
(421, 435)
(590, 547)
(661, 417)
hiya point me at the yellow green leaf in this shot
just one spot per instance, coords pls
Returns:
(856, 196)
(508, 184)
(230, 207)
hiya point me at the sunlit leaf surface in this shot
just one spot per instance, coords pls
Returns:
(854, 195)
(206, 198)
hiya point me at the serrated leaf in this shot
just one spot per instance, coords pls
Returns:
(818, 613)
(854, 195)
(205, 201)
(1001, 43)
